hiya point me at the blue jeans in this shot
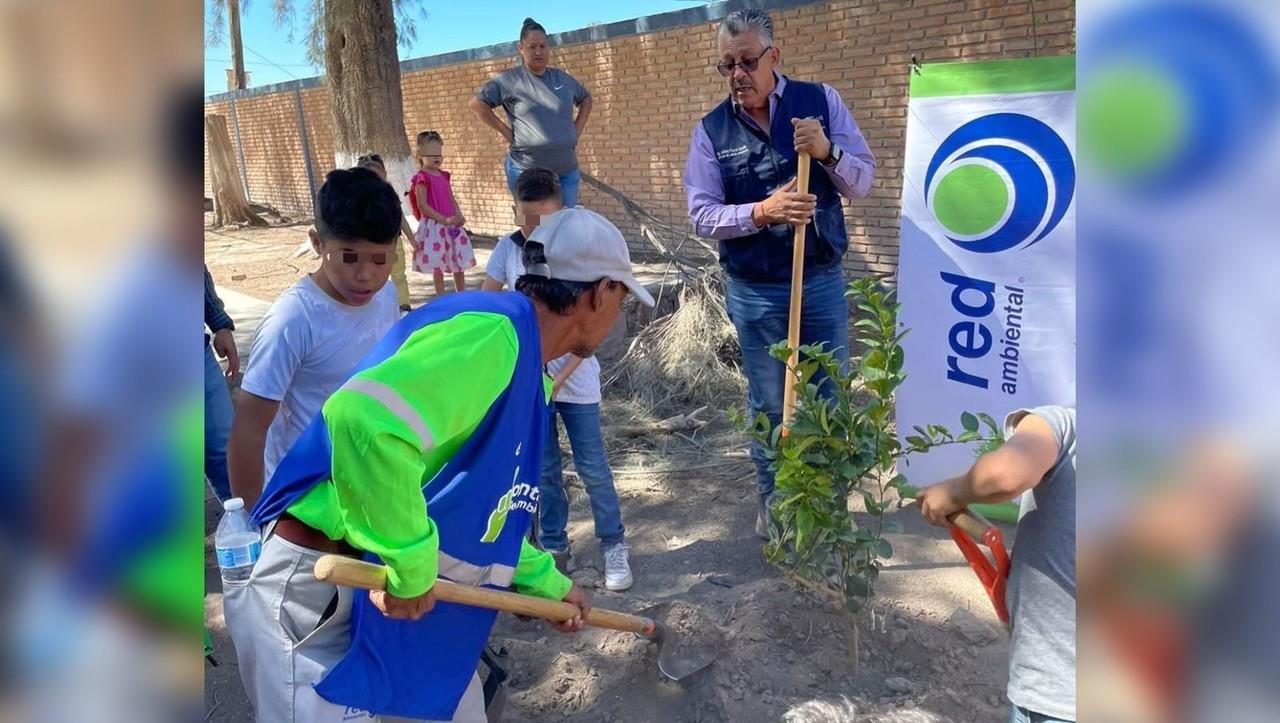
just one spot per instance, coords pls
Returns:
(759, 311)
(569, 182)
(582, 423)
(1022, 715)
(217, 426)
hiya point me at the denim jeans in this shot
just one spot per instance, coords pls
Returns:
(759, 311)
(569, 182)
(1022, 715)
(582, 424)
(217, 425)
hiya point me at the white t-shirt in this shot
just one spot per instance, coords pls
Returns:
(583, 385)
(305, 349)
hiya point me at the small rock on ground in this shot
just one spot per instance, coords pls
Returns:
(900, 685)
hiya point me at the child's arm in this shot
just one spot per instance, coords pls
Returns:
(247, 445)
(494, 277)
(282, 342)
(1013, 468)
(420, 193)
(406, 230)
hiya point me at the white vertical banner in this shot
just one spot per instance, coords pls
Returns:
(986, 270)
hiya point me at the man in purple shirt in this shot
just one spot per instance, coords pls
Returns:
(740, 186)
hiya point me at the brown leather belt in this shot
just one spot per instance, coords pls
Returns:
(299, 533)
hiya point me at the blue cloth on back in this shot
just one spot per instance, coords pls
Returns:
(420, 669)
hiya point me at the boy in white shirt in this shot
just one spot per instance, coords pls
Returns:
(318, 329)
(575, 398)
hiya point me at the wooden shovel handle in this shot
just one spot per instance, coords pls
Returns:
(971, 523)
(349, 572)
(797, 295)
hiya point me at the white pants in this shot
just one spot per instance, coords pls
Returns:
(284, 647)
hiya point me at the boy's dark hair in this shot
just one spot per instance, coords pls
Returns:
(537, 184)
(530, 25)
(428, 136)
(558, 295)
(356, 205)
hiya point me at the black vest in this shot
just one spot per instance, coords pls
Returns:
(752, 166)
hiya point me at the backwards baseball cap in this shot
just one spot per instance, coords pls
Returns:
(582, 245)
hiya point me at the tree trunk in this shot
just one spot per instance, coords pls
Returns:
(237, 46)
(363, 71)
(229, 203)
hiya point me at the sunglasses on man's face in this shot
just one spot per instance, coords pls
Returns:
(748, 65)
(351, 258)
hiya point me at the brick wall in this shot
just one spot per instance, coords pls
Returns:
(651, 88)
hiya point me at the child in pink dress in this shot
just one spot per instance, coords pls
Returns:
(440, 245)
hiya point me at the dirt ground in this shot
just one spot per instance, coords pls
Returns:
(930, 647)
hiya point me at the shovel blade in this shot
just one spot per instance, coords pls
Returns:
(687, 640)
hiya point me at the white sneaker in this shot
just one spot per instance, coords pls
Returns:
(617, 567)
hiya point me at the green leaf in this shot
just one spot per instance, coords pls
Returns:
(969, 436)
(781, 352)
(881, 387)
(886, 458)
(806, 369)
(872, 574)
(969, 422)
(873, 507)
(882, 548)
(788, 502)
(991, 423)
(895, 359)
(803, 444)
(874, 360)
(874, 374)
(857, 586)
(804, 524)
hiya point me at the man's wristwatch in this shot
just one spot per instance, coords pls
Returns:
(833, 157)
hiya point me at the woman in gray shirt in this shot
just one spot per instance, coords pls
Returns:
(541, 128)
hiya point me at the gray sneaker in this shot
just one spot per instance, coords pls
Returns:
(617, 567)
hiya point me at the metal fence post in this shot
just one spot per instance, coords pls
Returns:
(244, 172)
(306, 148)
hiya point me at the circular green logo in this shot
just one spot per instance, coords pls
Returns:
(1132, 122)
(970, 200)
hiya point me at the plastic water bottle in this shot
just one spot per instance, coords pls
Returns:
(237, 541)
